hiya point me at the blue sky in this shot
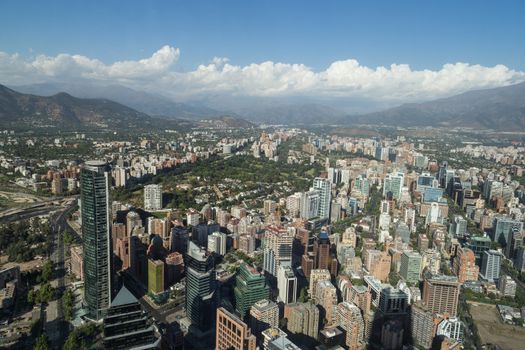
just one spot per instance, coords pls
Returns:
(424, 34)
(396, 51)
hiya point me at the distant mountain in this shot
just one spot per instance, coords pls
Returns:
(62, 110)
(500, 108)
(308, 113)
(152, 104)
(226, 122)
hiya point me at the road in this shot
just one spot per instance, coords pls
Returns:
(56, 326)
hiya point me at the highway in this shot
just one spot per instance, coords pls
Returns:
(57, 328)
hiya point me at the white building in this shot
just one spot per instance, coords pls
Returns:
(153, 197)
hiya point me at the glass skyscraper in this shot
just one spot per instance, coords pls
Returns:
(96, 235)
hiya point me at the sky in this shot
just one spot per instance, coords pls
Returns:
(375, 50)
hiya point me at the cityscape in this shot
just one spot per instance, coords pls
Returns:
(271, 206)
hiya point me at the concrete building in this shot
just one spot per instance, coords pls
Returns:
(303, 318)
(507, 286)
(410, 267)
(350, 319)
(153, 197)
(316, 276)
(491, 265)
(465, 265)
(441, 294)
(250, 287)
(232, 333)
(264, 314)
(217, 243)
(287, 284)
(155, 276)
(326, 298)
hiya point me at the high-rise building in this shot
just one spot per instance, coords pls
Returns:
(326, 298)
(155, 276)
(126, 326)
(153, 197)
(310, 202)
(410, 266)
(200, 286)
(263, 314)
(287, 284)
(392, 185)
(95, 209)
(350, 319)
(278, 243)
(504, 228)
(250, 287)
(423, 325)
(465, 265)
(316, 276)
(491, 265)
(507, 286)
(303, 318)
(324, 187)
(393, 301)
(232, 333)
(217, 243)
(441, 294)
(392, 335)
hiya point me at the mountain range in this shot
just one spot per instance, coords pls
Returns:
(500, 108)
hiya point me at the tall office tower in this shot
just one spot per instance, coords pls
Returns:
(441, 294)
(155, 276)
(519, 261)
(310, 202)
(278, 243)
(410, 266)
(513, 245)
(179, 239)
(392, 335)
(504, 228)
(393, 301)
(174, 268)
(362, 184)
(153, 197)
(326, 297)
(491, 265)
(316, 276)
(324, 259)
(126, 326)
(232, 333)
(465, 265)
(264, 314)
(200, 286)
(423, 325)
(250, 287)
(287, 284)
(324, 186)
(94, 185)
(138, 259)
(303, 318)
(350, 319)
(392, 185)
(384, 207)
(217, 243)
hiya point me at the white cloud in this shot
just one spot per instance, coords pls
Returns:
(342, 79)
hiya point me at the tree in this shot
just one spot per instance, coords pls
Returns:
(41, 343)
(302, 295)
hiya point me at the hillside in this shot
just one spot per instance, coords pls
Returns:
(499, 109)
(64, 111)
